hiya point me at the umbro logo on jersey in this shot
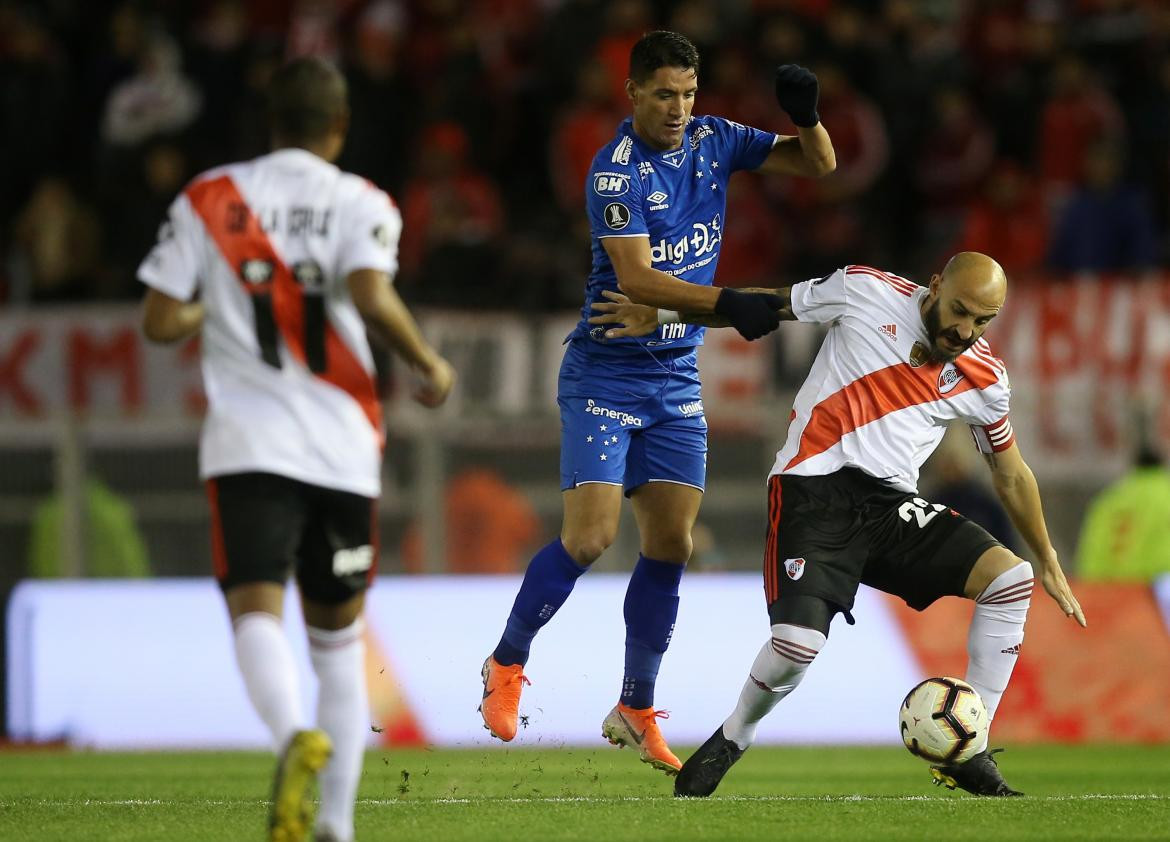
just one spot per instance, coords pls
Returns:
(617, 216)
(948, 378)
(621, 155)
(794, 567)
(891, 331)
(657, 200)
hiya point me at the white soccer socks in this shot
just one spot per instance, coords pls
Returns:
(339, 659)
(997, 629)
(777, 670)
(270, 674)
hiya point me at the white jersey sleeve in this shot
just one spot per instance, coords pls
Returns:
(821, 300)
(990, 425)
(172, 266)
(371, 233)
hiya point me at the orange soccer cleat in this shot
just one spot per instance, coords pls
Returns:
(638, 727)
(501, 697)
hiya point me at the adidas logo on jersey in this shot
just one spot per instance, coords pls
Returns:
(891, 331)
(1014, 649)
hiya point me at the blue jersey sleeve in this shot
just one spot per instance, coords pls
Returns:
(613, 196)
(746, 147)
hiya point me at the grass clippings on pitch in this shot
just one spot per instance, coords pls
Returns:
(1074, 793)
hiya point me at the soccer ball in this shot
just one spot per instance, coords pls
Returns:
(943, 720)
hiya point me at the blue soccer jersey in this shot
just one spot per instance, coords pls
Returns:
(678, 199)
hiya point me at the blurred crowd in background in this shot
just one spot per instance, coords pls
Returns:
(1035, 130)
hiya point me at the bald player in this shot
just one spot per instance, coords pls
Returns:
(898, 364)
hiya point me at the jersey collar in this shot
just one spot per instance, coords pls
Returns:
(673, 157)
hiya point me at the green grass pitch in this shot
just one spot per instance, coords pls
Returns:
(820, 794)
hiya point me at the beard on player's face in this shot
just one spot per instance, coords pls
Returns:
(949, 350)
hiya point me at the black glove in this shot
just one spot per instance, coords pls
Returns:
(753, 314)
(797, 91)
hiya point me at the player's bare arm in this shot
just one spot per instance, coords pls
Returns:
(638, 279)
(1015, 484)
(810, 153)
(753, 314)
(166, 319)
(632, 319)
(391, 324)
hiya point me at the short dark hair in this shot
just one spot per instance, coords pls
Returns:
(661, 49)
(305, 98)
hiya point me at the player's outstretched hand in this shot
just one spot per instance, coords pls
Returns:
(433, 383)
(629, 319)
(753, 314)
(1057, 586)
(797, 91)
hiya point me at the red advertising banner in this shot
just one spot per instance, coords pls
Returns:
(1105, 683)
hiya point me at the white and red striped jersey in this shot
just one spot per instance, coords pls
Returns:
(873, 400)
(288, 373)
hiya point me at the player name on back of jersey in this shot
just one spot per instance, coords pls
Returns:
(294, 220)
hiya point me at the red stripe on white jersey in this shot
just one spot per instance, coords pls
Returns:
(983, 351)
(874, 396)
(900, 284)
(210, 200)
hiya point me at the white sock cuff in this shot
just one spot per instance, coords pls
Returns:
(798, 644)
(253, 617)
(336, 638)
(1013, 585)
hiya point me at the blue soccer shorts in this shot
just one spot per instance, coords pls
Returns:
(629, 419)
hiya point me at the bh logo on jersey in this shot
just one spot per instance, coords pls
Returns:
(704, 238)
(611, 183)
(794, 567)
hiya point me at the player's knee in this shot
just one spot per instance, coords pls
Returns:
(673, 548)
(1002, 568)
(588, 546)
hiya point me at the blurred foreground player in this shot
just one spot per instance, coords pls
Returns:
(631, 409)
(899, 363)
(282, 265)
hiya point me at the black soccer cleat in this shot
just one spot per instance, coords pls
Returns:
(980, 775)
(706, 767)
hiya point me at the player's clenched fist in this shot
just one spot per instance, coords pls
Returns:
(753, 314)
(797, 91)
(433, 382)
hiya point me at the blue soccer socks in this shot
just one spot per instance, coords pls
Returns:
(650, 609)
(549, 580)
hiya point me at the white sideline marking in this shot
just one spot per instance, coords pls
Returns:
(585, 799)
